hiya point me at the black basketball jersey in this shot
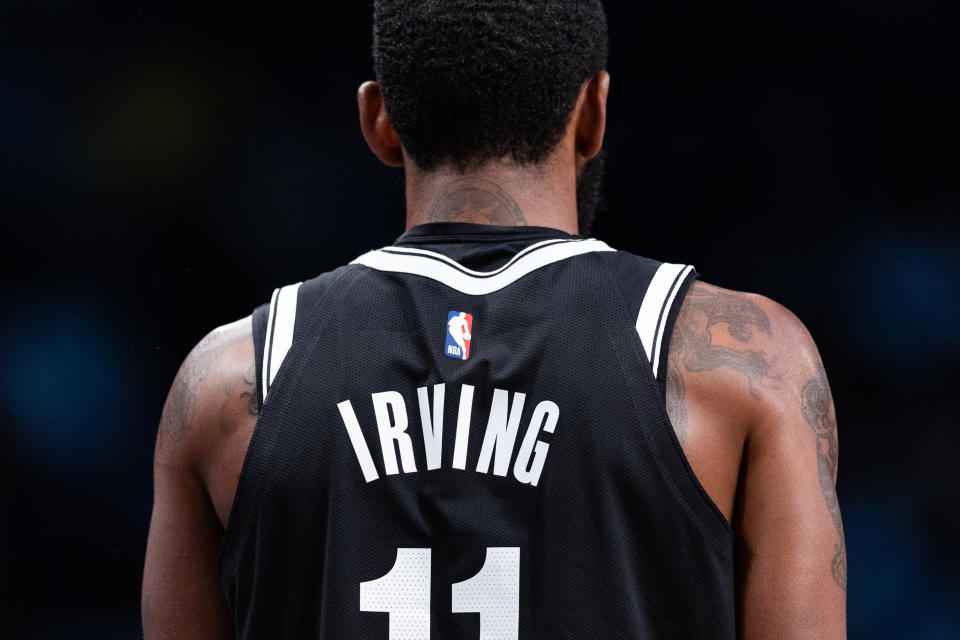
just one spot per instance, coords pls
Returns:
(464, 436)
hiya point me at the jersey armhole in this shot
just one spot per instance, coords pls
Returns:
(671, 312)
(653, 294)
(267, 319)
(292, 311)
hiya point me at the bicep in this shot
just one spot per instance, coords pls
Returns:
(791, 554)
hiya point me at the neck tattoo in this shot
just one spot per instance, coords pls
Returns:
(476, 200)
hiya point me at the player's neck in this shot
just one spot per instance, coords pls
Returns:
(496, 194)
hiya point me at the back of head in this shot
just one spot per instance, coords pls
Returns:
(469, 81)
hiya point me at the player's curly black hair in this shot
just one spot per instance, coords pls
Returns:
(466, 81)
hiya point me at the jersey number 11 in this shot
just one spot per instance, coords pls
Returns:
(404, 593)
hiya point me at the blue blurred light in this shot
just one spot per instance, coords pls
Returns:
(884, 559)
(893, 591)
(63, 384)
(904, 305)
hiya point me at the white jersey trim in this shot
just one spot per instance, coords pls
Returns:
(281, 318)
(436, 266)
(656, 305)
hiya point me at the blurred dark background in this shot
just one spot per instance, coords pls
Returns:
(162, 170)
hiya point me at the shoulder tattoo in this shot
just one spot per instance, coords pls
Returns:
(692, 346)
(706, 307)
(250, 390)
(179, 412)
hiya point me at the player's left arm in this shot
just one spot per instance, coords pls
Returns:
(791, 555)
(182, 596)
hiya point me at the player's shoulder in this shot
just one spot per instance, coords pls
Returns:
(221, 354)
(214, 387)
(752, 345)
(748, 315)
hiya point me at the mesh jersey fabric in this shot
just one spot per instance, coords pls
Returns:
(615, 539)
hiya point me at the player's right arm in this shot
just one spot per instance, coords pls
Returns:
(181, 595)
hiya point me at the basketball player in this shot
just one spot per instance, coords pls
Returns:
(497, 428)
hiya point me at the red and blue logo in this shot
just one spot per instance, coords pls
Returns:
(459, 334)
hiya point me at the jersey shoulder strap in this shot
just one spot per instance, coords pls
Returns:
(288, 317)
(273, 326)
(653, 292)
(259, 320)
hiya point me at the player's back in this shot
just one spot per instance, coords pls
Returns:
(464, 436)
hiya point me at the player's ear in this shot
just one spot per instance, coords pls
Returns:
(377, 129)
(591, 117)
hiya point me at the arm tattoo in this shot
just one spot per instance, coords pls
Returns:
(250, 392)
(476, 200)
(676, 401)
(708, 306)
(816, 402)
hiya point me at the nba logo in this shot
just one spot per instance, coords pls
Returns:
(459, 328)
